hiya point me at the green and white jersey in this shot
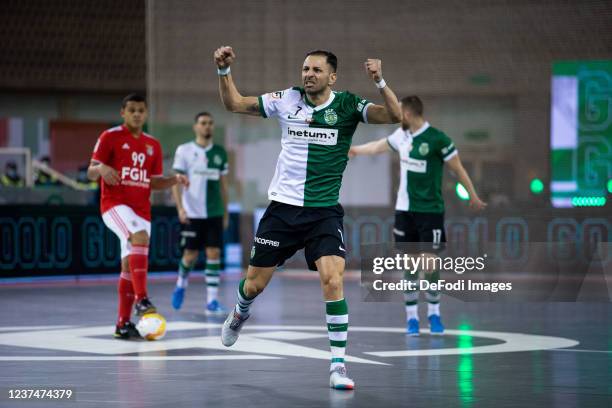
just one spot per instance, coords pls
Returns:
(204, 167)
(315, 143)
(422, 156)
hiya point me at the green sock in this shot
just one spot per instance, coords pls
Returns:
(337, 329)
(433, 296)
(411, 297)
(244, 302)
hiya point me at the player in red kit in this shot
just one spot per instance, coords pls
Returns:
(129, 162)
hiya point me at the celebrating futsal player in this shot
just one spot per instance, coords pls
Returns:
(129, 162)
(317, 126)
(419, 209)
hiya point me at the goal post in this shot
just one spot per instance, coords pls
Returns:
(22, 156)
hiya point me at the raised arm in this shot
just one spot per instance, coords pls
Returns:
(454, 163)
(390, 112)
(374, 147)
(231, 98)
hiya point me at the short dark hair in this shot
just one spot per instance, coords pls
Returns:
(133, 97)
(331, 58)
(413, 103)
(198, 115)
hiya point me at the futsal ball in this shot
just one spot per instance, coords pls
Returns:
(152, 326)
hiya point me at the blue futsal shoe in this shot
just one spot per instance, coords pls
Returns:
(214, 308)
(412, 328)
(435, 325)
(177, 297)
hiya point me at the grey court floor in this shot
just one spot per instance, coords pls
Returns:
(501, 355)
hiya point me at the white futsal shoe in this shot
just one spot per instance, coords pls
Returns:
(231, 328)
(339, 380)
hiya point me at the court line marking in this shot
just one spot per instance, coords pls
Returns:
(512, 342)
(81, 340)
(260, 342)
(140, 358)
(583, 350)
(24, 328)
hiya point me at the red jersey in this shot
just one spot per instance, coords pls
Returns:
(136, 160)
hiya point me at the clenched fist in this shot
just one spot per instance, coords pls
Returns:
(224, 56)
(374, 69)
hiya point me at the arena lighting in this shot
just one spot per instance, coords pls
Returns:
(588, 201)
(536, 186)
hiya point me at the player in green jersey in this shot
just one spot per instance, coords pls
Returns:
(317, 126)
(419, 209)
(202, 209)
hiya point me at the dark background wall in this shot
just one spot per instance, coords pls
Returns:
(462, 57)
(68, 45)
(482, 68)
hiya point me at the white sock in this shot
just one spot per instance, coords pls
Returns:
(334, 365)
(211, 293)
(433, 309)
(182, 282)
(412, 312)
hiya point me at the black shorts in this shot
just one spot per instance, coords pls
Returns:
(284, 229)
(420, 227)
(201, 233)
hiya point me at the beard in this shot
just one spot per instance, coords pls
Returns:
(315, 90)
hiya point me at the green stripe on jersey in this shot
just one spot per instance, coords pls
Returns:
(204, 167)
(262, 111)
(422, 156)
(424, 181)
(316, 141)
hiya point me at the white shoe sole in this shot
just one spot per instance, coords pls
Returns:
(345, 384)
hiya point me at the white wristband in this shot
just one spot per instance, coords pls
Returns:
(381, 84)
(223, 71)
